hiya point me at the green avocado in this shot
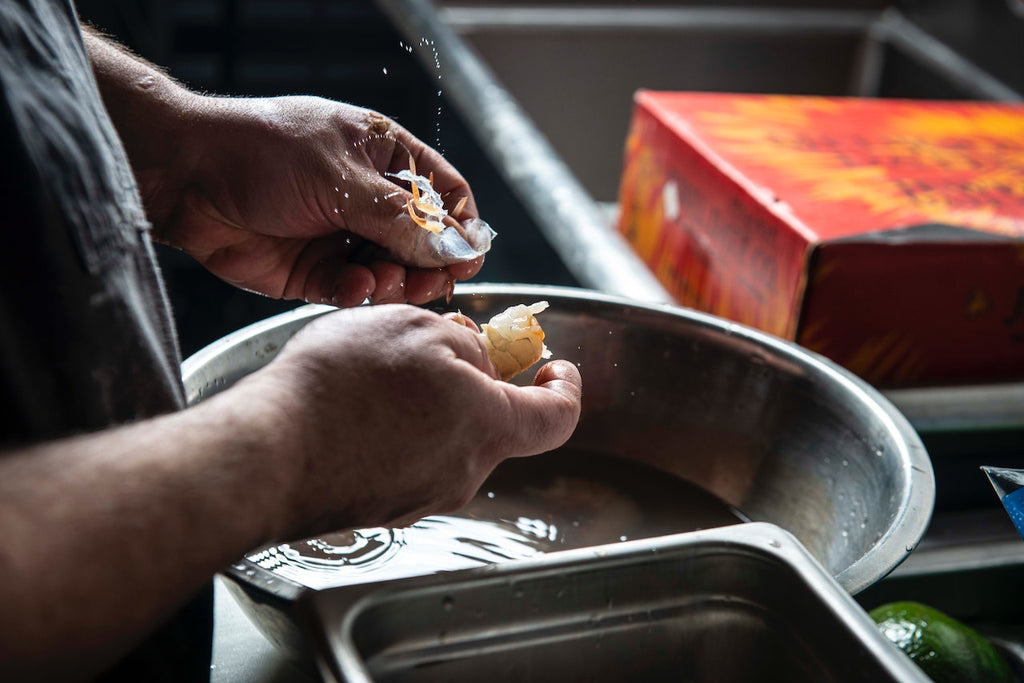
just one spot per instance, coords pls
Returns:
(944, 648)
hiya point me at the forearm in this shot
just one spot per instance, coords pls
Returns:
(152, 114)
(105, 534)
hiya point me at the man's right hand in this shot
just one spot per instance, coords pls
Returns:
(393, 413)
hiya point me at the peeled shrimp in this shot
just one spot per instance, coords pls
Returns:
(514, 339)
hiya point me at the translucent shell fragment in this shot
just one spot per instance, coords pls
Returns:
(426, 207)
(514, 339)
(464, 241)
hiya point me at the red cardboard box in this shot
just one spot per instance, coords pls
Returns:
(887, 235)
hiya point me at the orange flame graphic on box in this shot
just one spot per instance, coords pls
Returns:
(848, 165)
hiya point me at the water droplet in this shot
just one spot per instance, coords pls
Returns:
(346, 195)
(623, 538)
(774, 543)
(490, 494)
(335, 209)
(336, 189)
(385, 71)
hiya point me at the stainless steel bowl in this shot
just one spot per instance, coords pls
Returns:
(784, 435)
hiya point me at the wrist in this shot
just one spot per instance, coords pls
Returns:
(272, 430)
(152, 114)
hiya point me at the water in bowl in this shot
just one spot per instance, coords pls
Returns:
(529, 506)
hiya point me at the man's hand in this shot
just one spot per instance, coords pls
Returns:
(284, 196)
(287, 197)
(398, 413)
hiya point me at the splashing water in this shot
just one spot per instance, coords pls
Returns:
(440, 543)
(528, 508)
(426, 43)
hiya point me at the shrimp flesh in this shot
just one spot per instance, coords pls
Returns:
(514, 339)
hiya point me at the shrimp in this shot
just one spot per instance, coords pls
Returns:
(514, 339)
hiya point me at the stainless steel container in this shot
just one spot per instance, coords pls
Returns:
(741, 603)
(779, 433)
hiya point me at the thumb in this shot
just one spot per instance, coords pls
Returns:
(546, 413)
(451, 242)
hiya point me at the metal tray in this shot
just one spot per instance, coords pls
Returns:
(734, 604)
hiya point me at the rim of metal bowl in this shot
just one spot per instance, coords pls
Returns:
(918, 492)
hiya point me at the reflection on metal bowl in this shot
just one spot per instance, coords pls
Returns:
(766, 428)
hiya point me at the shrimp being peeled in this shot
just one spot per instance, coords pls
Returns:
(426, 208)
(514, 339)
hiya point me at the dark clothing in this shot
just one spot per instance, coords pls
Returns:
(86, 336)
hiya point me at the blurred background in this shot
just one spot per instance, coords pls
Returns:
(572, 67)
